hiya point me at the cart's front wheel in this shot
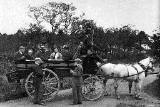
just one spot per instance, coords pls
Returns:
(50, 85)
(92, 88)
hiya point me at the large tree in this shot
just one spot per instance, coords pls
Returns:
(58, 15)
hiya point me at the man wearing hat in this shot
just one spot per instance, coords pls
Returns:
(90, 62)
(43, 52)
(42, 55)
(66, 54)
(77, 82)
(37, 82)
(20, 55)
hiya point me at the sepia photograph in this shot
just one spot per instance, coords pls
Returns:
(79, 53)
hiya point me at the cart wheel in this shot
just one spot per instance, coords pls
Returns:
(50, 85)
(93, 88)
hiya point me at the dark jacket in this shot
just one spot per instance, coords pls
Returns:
(44, 55)
(66, 55)
(87, 44)
(29, 57)
(19, 56)
(90, 63)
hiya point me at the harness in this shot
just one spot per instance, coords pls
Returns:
(127, 70)
(137, 72)
(144, 68)
(141, 65)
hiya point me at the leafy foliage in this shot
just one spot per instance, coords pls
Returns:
(156, 43)
(58, 15)
(114, 43)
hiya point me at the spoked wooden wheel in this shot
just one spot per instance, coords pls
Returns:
(50, 85)
(93, 88)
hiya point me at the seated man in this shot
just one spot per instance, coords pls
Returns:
(66, 54)
(30, 55)
(20, 55)
(90, 62)
(43, 53)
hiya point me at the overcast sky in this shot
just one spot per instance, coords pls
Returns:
(144, 14)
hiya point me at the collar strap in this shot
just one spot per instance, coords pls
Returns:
(135, 68)
(143, 67)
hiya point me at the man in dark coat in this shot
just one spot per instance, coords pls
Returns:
(37, 82)
(43, 53)
(30, 55)
(66, 54)
(90, 62)
(85, 45)
(20, 55)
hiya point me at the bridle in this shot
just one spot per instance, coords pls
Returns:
(146, 68)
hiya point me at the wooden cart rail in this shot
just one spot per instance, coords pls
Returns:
(51, 63)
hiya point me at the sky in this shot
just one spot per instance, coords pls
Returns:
(143, 14)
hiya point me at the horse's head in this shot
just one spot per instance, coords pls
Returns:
(147, 65)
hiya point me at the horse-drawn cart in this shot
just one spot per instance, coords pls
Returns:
(53, 72)
(93, 84)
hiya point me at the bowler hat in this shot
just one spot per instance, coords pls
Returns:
(21, 47)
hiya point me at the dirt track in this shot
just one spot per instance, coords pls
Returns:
(64, 99)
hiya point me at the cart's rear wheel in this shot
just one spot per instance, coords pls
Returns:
(93, 88)
(50, 85)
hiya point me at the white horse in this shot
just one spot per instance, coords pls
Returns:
(132, 73)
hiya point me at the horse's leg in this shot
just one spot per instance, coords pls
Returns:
(104, 83)
(116, 88)
(138, 86)
(135, 88)
(130, 86)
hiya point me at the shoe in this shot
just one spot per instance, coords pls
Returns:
(79, 103)
(40, 103)
(73, 104)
